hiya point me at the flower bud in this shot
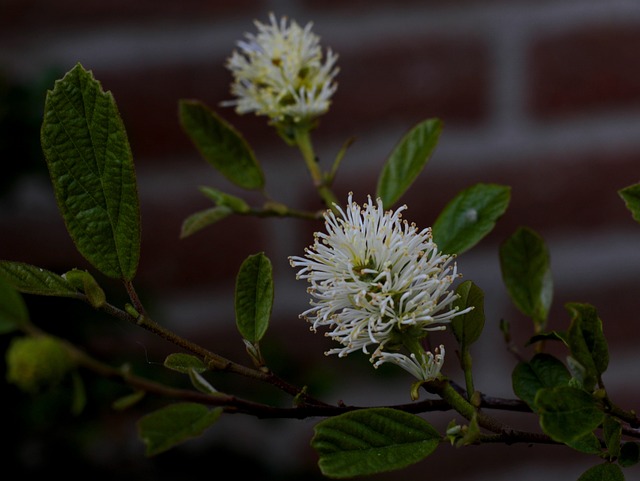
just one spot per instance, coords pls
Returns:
(36, 363)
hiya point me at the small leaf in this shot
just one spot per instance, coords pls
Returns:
(588, 444)
(184, 363)
(587, 342)
(84, 281)
(91, 167)
(543, 371)
(469, 217)
(524, 262)
(126, 402)
(254, 297)
(13, 310)
(567, 413)
(407, 160)
(200, 383)
(370, 441)
(221, 145)
(30, 279)
(631, 197)
(234, 203)
(603, 472)
(202, 219)
(174, 424)
(468, 327)
(612, 431)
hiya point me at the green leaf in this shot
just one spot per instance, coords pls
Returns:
(567, 413)
(127, 401)
(254, 297)
(631, 197)
(234, 203)
(200, 383)
(524, 262)
(603, 472)
(174, 424)
(13, 310)
(30, 279)
(407, 160)
(629, 454)
(469, 217)
(588, 444)
(84, 281)
(468, 327)
(612, 433)
(221, 145)
(370, 441)
(587, 342)
(184, 363)
(543, 371)
(91, 168)
(202, 219)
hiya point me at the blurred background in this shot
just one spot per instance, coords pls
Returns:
(543, 96)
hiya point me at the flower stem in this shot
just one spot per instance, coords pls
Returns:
(303, 141)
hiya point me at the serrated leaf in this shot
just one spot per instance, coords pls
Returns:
(13, 310)
(587, 342)
(631, 197)
(542, 371)
(407, 160)
(202, 219)
(30, 279)
(567, 413)
(603, 472)
(221, 144)
(174, 424)
(469, 217)
(234, 203)
(526, 273)
(370, 441)
(254, 297)
(91, 167)
(468, 327)
(184, 363)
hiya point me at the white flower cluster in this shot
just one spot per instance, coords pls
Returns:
(280, 73)
(375, 280)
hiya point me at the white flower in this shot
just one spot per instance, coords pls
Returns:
(376, 280)
(280, 73)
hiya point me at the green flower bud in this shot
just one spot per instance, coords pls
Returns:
(36, 363)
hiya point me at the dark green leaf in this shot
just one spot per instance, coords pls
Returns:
(548, 336)
(91, 167)
(631, 197)
(587, 342)
(567, 413)
(612, 432)
(127, 401)
(468, 327)
(13, 310)
(370, 441)
(174, 424)
(30, 279)
(184, 363)
(469, 217)
(221, 145)
(254, 297)
(524, 262)
(629, 454)
(204, 218)
(603, 472)
(543, 371)
(588, 444)
(407, 160)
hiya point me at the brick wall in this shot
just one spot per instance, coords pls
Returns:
(542, 96)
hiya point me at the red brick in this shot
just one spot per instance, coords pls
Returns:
(405, 80)
(20, 14)
(586, 70)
